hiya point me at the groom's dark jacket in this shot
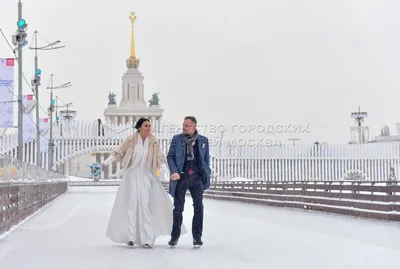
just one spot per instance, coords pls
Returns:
(177, 155)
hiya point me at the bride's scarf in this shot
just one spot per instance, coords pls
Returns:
(141, 151)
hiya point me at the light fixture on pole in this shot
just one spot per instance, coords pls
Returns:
(359, 133)
(68, 114)
(36, 84)
(51, 110)
(19, 40)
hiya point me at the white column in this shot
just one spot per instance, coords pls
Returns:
(131, 120)
(67, 168)
(109, 168)
(132, 93)
(94, 161)
(76, 165)
(123, 120)
(153, 123)
(102, 161)
(115, 118)
(159, 125)
(141, 91)
(124, 92)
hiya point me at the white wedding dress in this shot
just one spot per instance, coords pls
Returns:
(142, 210)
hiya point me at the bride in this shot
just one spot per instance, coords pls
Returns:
(142, 208)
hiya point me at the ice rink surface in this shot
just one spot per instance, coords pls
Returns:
(69, 233)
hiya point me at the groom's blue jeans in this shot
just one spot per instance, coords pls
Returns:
(194, 184)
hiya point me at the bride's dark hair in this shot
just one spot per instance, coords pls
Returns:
(140, 122)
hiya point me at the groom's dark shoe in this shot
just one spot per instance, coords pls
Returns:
(197, 242)
(173, 242)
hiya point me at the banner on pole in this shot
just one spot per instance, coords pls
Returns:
(44, 126)
(29, 125)
(44, 144)
(6, 92)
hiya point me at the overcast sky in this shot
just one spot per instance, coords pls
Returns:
(226, 62)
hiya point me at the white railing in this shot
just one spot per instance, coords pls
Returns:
(370, 162)
(15, 171)
(75, 138)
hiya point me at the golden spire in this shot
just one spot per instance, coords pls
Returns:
(132, 62)
(132, 17)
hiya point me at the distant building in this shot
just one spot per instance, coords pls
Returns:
(132, 107)
(385, 136)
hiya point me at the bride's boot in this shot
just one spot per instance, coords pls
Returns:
(147, 246)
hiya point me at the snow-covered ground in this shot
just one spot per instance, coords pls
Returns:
(71, 178)
(70, 233)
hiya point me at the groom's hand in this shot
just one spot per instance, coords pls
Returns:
(175, 176)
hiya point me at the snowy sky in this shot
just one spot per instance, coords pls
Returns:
(264, 62)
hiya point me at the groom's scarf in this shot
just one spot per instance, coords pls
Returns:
(189, 139)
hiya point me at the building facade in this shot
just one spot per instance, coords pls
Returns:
(131, 108)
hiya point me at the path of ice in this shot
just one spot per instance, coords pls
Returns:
(70, 233)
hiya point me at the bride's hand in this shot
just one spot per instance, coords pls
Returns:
(175, 176)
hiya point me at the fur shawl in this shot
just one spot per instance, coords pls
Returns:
(124, 152)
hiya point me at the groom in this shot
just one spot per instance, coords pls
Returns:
(189, 162)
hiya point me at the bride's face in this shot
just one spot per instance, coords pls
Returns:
(145, 128)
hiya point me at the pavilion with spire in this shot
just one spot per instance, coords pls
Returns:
(133, 105)
(130, 109)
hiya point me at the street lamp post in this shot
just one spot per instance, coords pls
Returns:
(51, 110)
(19, 39)
(36, 84)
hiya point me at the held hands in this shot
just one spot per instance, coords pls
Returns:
(103, 166)
(175, 176)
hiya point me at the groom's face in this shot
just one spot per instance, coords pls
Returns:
(188, 127)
